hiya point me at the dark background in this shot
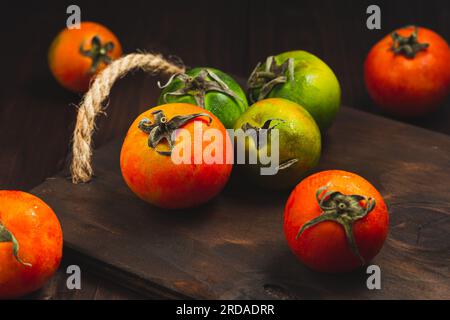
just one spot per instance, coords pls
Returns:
(37, 116)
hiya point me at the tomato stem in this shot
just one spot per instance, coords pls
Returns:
(7, 236)
(255, 134)
(162, 128)
(342, 209)
(98, 53)
(198, 86)
(408, 46)
(254, 131)
(265, 77)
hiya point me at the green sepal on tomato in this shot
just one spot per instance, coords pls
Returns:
(301, 77)
(210, 89)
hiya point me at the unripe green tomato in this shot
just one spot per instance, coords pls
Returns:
(299, 142)
(210, 89)
(301, 77)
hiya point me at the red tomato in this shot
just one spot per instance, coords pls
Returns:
(30, 243)
(147, 165)
(335, 221)
(77, 55)
(407, 72)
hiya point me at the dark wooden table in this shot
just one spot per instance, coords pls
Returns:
(37, 116)
(93, 287)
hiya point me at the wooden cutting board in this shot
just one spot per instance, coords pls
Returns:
(234, 247)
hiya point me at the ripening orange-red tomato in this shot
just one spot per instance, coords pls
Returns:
(31, 243)
(77, 55)
(148, 165)
(335, 221)
(407, 72)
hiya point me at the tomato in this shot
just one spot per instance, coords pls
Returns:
(209, 88)
(148, 165)
(77, 55)
(407, 72)
(30, 243)
(335, 221)
(301, 77)
(299, 143)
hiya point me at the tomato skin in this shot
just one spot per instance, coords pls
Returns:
(157, 179)
(409, 87)
(38, 231)
(69, 67)
(324, 247)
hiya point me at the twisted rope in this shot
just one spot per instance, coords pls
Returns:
(92, 104)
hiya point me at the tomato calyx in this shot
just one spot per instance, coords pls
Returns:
(162, 128)
(7, 236)
(99, 53)
(408, 46)
(199, 86)
(255, 131)
(342, 209)
(256, 134)
(265, 78)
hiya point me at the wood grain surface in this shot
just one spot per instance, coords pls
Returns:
(234, 247)
(93, 286)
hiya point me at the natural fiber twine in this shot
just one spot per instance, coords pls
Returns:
(93, 103)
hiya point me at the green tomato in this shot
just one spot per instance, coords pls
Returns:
(299, 143)
(301, 77)
(210, 89)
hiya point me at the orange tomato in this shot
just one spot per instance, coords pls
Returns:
(30, 243)
(77, 55)
(335, 221)
(410, 77)
(151, 173)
